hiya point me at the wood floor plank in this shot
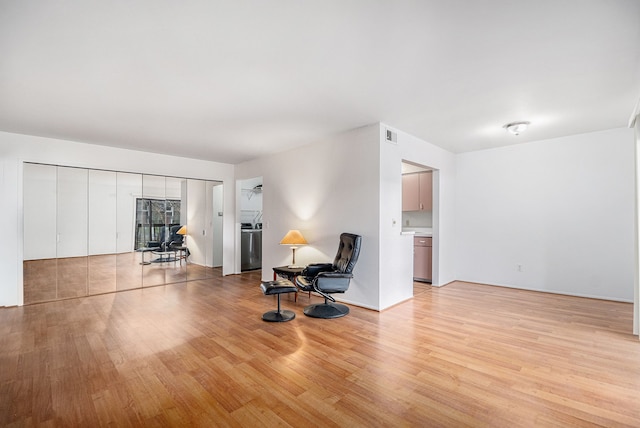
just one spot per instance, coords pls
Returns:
(198, 354)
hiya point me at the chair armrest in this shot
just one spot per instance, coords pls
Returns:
(334, 275)
(315, 268)
(304, 284)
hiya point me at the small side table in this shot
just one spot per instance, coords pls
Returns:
(146, 250)
(289, 273)
(181, 252)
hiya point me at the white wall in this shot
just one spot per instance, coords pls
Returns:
(250, 201)
(323, 189)
(635, 121)
(352, 183)
(396, 251)
(417, 219)
(16, 149)
(563, 209)
(217, 226)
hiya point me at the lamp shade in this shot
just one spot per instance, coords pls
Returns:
(293, 237)
(182, 230)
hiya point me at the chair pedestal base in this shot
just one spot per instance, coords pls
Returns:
(278, 316)
(326, 310)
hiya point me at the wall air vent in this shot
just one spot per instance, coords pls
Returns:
(392, 137)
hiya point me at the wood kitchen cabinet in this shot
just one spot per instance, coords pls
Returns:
(422, 253)
(417, 191)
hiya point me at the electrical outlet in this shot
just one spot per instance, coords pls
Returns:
(519, 267)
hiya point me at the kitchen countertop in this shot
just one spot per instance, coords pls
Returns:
(425, 232)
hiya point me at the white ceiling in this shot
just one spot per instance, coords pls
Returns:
(234, 80)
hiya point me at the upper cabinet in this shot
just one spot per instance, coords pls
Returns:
(426, 190)
(417, 191)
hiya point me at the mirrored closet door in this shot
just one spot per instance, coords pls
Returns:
(102, 220)
(128, 260)
(92, 231)
(40, 233)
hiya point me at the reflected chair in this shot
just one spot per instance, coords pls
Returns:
(167, 238)
(169, 241)
(329, 278)
(161, 243)
(175, 239)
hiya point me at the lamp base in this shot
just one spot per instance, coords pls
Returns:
(296, 267)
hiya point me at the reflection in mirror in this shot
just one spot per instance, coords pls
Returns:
(91, 231)
(204, 238)
(196, 229)
(39, 207)
(214, 218)
(150, 218)
(128, 264)
(72, 224)
(176, 200)
(102, 231)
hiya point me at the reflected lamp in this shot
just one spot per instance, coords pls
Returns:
(182, 232)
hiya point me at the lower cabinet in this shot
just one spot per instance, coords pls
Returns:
(422, 252)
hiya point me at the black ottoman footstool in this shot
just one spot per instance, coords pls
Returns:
(277, 288)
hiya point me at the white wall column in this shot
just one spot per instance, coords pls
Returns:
(635, 124)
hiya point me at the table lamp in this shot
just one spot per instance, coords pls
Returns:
(293, 238)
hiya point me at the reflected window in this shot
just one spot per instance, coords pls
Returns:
(153, 218)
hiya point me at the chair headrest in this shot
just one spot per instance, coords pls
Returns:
(348, 252)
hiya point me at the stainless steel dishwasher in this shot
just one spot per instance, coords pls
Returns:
(250, 249)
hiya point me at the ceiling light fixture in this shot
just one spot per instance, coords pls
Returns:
(516, 127)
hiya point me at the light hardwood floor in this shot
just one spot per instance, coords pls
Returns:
(198, 354)
(46, 280)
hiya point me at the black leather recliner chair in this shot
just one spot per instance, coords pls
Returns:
(328, 278)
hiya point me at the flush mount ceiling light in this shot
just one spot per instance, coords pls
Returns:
(516, 127)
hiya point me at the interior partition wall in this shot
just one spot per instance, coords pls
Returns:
(90, 231)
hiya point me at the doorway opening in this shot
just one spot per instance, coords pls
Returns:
(250, 224)
(419, 217)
